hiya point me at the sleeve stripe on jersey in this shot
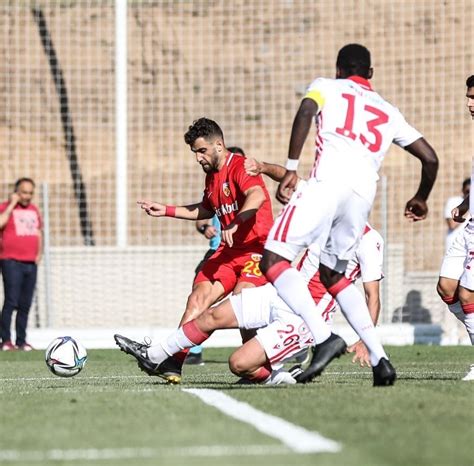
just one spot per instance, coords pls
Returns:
(317, 97)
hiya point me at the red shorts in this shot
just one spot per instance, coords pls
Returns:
(231, 266)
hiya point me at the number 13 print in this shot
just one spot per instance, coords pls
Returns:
(347, 130)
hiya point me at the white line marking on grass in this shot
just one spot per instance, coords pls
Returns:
(94, 454)
(294, 437)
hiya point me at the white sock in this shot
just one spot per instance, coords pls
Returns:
(469, 323)
(280, 377)
(294, 291)
(355, 310)
(456, 309)
(175, 342)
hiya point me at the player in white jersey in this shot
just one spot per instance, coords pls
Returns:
(355, 128)
(456, 278)
(366, 263)
(281, 334)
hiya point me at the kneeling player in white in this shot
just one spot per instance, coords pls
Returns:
(280, 335)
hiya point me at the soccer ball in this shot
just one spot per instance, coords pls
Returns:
(65, 357)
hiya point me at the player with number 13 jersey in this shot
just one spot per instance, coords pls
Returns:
(351, 147)
(355, 127)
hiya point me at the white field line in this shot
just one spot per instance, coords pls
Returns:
(94, 454)
(294, 437)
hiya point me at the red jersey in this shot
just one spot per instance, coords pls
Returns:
(224, 194)
(19, 239)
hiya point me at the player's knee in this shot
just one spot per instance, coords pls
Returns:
(270, 259)
(265, 263)
(446, 287)
(237, 365)
(465, 296)
(208, 319)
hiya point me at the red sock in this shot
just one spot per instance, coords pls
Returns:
(468, 308)
(194, 333)
(276, 270)
(339, 286)
(261, 374)
(450, 299)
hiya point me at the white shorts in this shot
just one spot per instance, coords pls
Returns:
(467, 277)
(284, 338)
(281, 333)
(325, 213)
(458, 263)
(252, 306)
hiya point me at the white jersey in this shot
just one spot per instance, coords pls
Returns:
(471, 195)
(451, 203)
(367, 263)
(355, 127)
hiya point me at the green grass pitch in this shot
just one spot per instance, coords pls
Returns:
(112, 414)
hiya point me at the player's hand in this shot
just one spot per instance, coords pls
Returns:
(456, 215)
(458, 212)
(361, 353)
(154, 209)
(416, 209)
(287, 187)
(14, 198)
(210, 232)
(252, 167)
(228, 234)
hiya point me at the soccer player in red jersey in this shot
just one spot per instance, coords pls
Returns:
(243, 206)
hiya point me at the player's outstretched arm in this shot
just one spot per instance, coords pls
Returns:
(372, 297)
(301, 125)
(253, 168)
(416, 208)
(187, 212)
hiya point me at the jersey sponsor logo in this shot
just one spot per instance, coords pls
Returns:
(256, 257)
(227, 209)
(226, 189)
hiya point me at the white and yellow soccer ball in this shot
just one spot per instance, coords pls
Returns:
(65, 357)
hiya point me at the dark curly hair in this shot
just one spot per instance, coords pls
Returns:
(203, 128)
(354, 59)
(470, 81)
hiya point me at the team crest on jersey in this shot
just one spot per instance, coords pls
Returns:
(256, 257)
(226, 189)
